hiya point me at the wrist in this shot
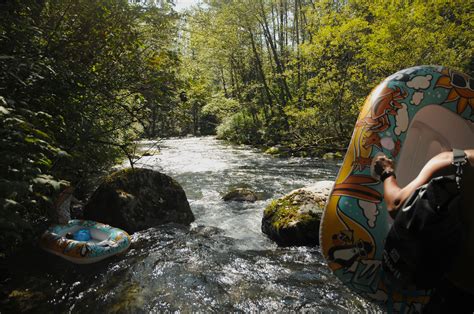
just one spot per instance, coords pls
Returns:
(387, 173)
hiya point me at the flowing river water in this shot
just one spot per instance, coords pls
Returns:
(222, 263)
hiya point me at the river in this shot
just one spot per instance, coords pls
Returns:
(222, 263)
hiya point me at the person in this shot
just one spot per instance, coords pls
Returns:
(63, 205)
(455, 293)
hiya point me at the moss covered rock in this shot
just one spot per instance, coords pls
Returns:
(332, 156)
(240, 195)
(278, 151)
(137, 199)
(294, 219)
(272, 150)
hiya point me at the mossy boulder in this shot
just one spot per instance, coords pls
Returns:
(294, 218)
(137, 199)
(272, 151)
(278, 151)
(240, 195)
(332, 156)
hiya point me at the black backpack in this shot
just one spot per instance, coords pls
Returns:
(427, 230)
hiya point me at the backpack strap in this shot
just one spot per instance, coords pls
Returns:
(459, 160)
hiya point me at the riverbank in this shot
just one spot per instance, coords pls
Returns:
(285, 149)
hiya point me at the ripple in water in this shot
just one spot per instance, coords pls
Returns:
(208, 168)
(222, 263)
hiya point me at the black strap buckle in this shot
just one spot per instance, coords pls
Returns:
(459, 160)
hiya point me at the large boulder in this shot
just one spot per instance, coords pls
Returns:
(240, 195)
(137, 199)
(294, 218)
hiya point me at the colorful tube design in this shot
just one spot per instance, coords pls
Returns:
(411, 116)
(106, 241)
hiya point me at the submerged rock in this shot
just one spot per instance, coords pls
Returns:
(137, 199)
(294, 218)
(240, 195)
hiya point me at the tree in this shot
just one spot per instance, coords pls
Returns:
(76, 78)
(300, 69)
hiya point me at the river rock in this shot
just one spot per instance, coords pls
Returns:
(240, 195)
(294, 218)
(137, 199)
(278, 151)
(272, 150)
(332, 156)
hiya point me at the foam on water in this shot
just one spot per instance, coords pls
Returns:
(208, 168)
(223, 263)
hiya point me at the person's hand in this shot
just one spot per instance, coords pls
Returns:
(381, 164)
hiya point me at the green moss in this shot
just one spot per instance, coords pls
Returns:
(332, 156)
(122, 175)
(272, 151)
(285, 211)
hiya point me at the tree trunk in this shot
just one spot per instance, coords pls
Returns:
(278, 63)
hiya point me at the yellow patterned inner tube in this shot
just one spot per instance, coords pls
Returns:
(410, 117)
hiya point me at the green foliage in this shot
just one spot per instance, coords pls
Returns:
(298, 71)
(240, 128)
(409, 34)
(80, 81)
(28, 154)
(220, 106)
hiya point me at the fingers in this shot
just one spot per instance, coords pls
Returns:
(382, 163)
(383, 159)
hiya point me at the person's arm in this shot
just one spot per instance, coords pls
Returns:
(395, 196)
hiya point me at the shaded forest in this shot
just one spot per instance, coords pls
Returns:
(81, 81)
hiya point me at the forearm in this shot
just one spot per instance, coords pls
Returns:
(395, 196)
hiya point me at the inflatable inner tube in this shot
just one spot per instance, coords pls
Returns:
(410, 117)
(105, 241)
